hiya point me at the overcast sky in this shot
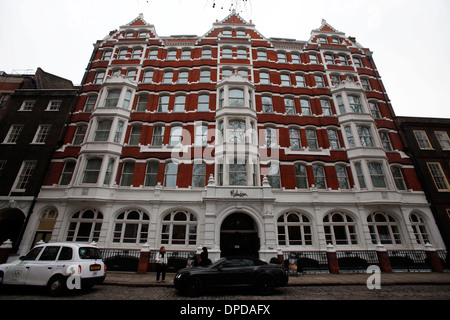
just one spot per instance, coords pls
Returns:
(410, 39)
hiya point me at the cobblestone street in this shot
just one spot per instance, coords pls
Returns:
(347, 292)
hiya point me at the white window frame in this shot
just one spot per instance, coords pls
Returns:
(442, 137)
(42, 133)
(13, 134)
(24, 176)
(54, 105)
(27, 105)
(126, 177)
(438, 175)
(169, 223)
(398, 178)
(422, 140)
(138, 228)
(386, 141)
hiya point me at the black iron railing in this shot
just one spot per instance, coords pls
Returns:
(356, 260)
(121, 259)
(409, 261)
(444, 256)
(307, 261)
(176, 259)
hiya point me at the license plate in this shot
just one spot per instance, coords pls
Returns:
(95, 267)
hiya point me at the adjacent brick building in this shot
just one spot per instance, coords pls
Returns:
(33, 117)
(427, 141)
(234, 141)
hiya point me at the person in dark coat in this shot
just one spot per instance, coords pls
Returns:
(204, 261)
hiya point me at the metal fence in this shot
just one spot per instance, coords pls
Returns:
(128, 259)
(409, 261)
(356, 260)
(445, 259)
(176, 259)
(121, 259)
(307, 261)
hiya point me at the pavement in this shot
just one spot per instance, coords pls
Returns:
(134, 279)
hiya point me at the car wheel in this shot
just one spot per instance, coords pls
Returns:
(264, 285)
(193, 287)
(1, 279)
(56, 286)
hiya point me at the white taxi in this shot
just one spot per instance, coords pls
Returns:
(58, 266)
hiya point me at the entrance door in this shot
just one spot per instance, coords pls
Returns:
(239, 236)
(11, 222)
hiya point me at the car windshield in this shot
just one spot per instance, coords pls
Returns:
(216, 263)
(90, 253)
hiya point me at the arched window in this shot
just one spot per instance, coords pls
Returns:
(420, 229)
(85, 225)
(340, 229)
(294, 229)
(46, 225)
(383, 228)
(179, 228)
(131, 227)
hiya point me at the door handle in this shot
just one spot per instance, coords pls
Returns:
(27, 267)
(49, 268)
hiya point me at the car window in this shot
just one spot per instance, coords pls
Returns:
(66, 254)
(89, 253)
(238, 263)
(49, 253)
(32, 255)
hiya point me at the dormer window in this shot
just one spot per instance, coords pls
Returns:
(323, 39)
(227, 32)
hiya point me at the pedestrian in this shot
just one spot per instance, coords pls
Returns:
(161, 264)
(204, 257)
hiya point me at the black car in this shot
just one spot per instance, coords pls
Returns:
(231, 272)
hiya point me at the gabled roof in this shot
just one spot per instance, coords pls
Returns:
(139, 21)
(234, 18)
(326, 27)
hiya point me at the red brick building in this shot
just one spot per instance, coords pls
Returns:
(235, 141)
